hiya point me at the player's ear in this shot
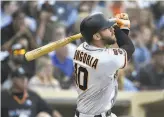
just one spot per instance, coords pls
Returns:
(97, 36)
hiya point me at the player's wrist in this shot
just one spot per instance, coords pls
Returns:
(122, 20)
(123, 24)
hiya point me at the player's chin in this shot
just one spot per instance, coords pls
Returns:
(109, 41)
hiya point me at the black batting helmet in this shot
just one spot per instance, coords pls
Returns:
(92, 24)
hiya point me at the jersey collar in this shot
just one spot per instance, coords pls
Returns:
(91, 47)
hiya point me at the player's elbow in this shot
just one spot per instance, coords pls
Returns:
(130, 53)
(130, 50)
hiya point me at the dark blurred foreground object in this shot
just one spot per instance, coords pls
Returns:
(151, 76)
(19, 101)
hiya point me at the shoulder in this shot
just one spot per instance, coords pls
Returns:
(115, 57)
(115, 51)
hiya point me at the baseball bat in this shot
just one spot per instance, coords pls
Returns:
(31, 55)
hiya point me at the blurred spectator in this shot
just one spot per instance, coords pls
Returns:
(117, 7)
(141, 55)
(146, 19)
(151, 76)
(154, 43)
(157, 10)
(14, 30)
(124, 83)
(59, 32)
(18, 101)
(62, 59)
(31, 23)
(63, 67)
(44, 75)
(46, 24)
(101, 6)
(16, 59)
(31, 14)
(146, 34)
(83, 10)
(66, 13)
(130, 72)
(30, 9)
(7, 9)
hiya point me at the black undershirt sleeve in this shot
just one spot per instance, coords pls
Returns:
(124, 41)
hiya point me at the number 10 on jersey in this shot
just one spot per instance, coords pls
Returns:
(81, 77)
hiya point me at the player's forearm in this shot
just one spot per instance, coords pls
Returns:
(124, 41)
(125, 31)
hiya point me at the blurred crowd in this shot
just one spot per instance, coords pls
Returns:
(27, 25)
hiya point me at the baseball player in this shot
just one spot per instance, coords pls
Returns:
(96, 66)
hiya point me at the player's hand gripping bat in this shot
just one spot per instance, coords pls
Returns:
(36, 53)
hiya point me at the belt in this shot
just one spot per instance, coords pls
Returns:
(108, 113)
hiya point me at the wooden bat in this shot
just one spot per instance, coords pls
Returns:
(31, 55)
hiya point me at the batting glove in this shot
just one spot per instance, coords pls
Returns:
(123, 21)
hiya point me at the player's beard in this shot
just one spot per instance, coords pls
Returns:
(108, 40)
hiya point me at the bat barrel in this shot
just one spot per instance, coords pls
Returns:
(31, 55)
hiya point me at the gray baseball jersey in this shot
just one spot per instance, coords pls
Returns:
(95, 77)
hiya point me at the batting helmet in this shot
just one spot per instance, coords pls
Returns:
(92, 24)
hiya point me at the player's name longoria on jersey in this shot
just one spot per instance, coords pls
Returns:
(86, 59)
(95, 72)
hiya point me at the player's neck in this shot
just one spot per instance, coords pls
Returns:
(98, 44)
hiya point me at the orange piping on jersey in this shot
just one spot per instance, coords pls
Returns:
(125, 62)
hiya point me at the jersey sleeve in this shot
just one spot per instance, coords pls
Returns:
(118, 57)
